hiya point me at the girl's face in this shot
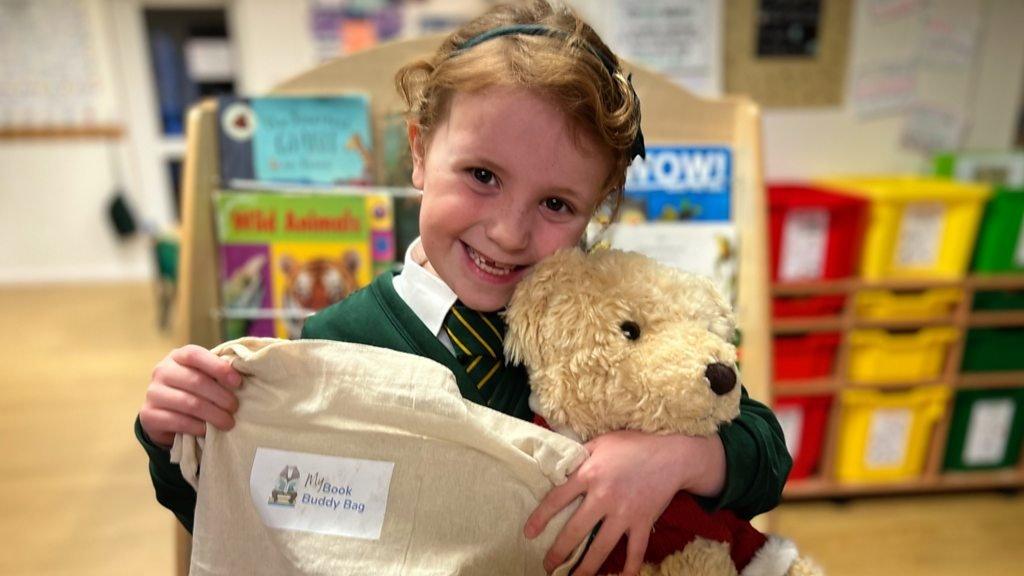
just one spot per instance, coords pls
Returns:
(505, 184)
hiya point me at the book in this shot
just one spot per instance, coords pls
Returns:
(677, 209)
(284, 256)
(679, 182)
(303, 140)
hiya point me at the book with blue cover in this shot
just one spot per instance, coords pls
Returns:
(300, 140)
(679, 182)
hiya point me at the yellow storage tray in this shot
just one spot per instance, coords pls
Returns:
(906, 305)
(884, 436)
(887, 357)
(918, 227)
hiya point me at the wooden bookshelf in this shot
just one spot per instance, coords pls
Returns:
(823, 484)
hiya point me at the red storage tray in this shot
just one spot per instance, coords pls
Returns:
(798, 306)
(847, 217)
(804, 420)
(805, 356)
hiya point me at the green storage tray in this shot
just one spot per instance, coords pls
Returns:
(990, 349)
(986, 429)
(1000, 246)
(999, 300)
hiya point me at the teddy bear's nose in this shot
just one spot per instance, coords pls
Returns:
(721, 377)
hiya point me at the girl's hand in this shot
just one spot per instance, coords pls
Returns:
(627, 483)
(191, 387)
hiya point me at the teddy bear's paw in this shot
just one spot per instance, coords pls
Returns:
(804, 566)
(700, 558)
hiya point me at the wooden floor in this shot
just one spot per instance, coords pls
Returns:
(77, 498)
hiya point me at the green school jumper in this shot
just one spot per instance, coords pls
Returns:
(756, 457)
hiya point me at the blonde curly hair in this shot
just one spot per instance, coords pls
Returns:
(568, 63)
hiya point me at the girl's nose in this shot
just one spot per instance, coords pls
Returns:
(509, 228)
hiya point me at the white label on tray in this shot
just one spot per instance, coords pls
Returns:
(988, 431)
(920, 235)
(791, 418)
(804, 243)
(888, 436)
(1018, 257)
(322, 494)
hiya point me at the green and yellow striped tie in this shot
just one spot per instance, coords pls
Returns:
(477, 338)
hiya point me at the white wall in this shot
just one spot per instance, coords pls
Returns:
(813, 142)
(53, 194)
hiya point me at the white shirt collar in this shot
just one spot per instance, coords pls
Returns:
(423, 292)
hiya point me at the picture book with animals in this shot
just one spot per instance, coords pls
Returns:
(302, 140)
(284, 256)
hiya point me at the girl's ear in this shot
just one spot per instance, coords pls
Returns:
(416, 146)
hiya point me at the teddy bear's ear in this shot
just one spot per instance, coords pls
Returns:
(532, 303)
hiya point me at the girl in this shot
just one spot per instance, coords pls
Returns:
(521, 126)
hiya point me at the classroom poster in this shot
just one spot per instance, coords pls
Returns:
(339, 28)
(287, 255)
(679, 38)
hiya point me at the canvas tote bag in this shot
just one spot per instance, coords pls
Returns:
(351, 459)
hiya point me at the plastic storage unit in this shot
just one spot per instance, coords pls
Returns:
(803, 420)
(885, 305)
(884, 436)
(918, 227)
(899, 357)
(985, 431)
(805, 356)
(989, 349)
(815, 234)
(1000, 246)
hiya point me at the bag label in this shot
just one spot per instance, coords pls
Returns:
(321, 494)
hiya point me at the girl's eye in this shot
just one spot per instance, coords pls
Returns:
(557, 205)
(483, 176)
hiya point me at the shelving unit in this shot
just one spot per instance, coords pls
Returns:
(823, 484)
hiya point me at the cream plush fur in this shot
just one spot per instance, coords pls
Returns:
(613, 340)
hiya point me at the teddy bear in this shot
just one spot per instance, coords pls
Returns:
(614, 340)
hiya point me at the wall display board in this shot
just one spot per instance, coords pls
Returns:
(787, 54)
(52, 83)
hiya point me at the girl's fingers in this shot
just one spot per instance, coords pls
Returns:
(557, 498)
(607, 537)
(170, 423)
(199, 384)
(208, 363)
(635, 550)
(175, 400)
(575, 531)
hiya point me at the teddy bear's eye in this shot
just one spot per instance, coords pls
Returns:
(630, 329)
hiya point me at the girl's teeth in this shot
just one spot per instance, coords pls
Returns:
(489, 266)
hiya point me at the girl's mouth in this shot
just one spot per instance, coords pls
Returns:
(491, 266)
